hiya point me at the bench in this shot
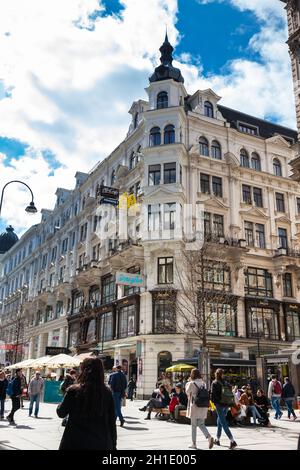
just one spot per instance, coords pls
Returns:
(211, 419)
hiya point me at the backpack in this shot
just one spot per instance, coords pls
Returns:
(227, 396)
(9, 390)
(202, 397)
(277, 388)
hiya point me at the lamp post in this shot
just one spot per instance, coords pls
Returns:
(30, 209)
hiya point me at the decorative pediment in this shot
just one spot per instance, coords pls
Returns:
(283, 219)
(161, 191)
(254, 212)
(213, 202)
(278, 140)
(232, 160)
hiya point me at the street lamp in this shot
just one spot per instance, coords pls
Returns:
(30, 209)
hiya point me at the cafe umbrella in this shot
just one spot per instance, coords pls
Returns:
(180, 368)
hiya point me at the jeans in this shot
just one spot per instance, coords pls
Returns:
(117, 396)
(222, 422)
(289, 405)
(276, 405)
(34, 399)
(15, 406)
(255, 413)
(2, 403)
(200, 424)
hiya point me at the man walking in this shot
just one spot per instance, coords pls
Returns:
(118, 385)
(35, 390)
(15, 395)
(274, 395)
(288, 394)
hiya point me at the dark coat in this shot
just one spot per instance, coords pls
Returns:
(85, 433)
(3, 387)
(288, 390)
(118, 382)
(16, 387)
(216, 392)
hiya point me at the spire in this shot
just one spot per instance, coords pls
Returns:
(166, 71)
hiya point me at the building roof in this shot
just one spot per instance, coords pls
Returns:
(166, 71)
(266, 129)
(7, 239)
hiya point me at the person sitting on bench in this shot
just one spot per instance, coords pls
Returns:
(182, 402)
(162, 400)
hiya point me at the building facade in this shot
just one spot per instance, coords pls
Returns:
(182, 152)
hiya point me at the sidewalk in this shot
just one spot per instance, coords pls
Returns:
(45, 432)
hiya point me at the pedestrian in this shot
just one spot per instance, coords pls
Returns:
(195, 413)
(263, 404)
(15, 394)
(23, 388)
(288, 394)
(274, 395)
(3, 387)
(35, 390)
(221, 398)
(114, 369)
(162, 400)
(118, 385)
(90, 409)
(69, 380)
(131, 388)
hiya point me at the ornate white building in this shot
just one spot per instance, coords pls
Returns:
(181, 151)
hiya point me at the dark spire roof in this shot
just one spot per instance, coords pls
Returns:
(166, 71)
(7, 239)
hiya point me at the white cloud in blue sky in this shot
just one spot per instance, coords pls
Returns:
(69, 71)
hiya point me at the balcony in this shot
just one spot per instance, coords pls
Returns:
(124, 252)
(287, 257)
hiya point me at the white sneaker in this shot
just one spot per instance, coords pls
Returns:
(193, 446)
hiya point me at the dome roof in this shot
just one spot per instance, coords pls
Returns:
(165, 71)
(7, 239)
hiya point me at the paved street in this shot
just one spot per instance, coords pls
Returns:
(45, 432)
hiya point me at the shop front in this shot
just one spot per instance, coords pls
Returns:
(263, 319)
(292, 321)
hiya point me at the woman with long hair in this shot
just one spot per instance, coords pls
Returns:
(90, 409)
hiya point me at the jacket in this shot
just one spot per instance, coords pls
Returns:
(262, 402)
(36, 386)
(16, 387)
(69, 380)
(3, 387)
(194, 412)
(288, 391)
(216, 392)
(86, 433)
(118, 382)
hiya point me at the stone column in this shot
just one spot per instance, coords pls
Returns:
(43, 340)
(62, 337)
(241, 318)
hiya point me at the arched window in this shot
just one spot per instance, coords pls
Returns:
(135, 122)
(277, 167)
(162, 100)
(255, 161)
(164, 360)
(169, 134)
(113, 177)
(208, 109)
(203, 144)
(132, 161)
(216, 150)
(138, 152)
(155, 138)
(244, 158)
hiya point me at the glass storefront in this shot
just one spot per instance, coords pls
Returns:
(263, 322)
(127, 321)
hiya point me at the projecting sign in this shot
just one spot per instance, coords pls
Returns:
(53, 350)
(129, 279)
(107, 191)
(108, 200)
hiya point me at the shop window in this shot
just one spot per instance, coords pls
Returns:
(263, 322)
(221, 319)
(164, 316)
(127, 321)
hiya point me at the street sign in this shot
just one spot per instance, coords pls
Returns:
(129, 279)
(109, 192)
(108, 200)
(53, 350)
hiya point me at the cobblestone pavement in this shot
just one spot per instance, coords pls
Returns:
(46, 431)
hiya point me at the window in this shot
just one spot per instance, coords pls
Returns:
(91, 331)
(298, 205)
(169, 215)
(127, 321)
(217, 186)
(132, 161)
(216, 150)
(277, 167)
(73, 335)
(258, 282)
(164, 316)
(213, 225)
(94, 296)
(169, 173)
(154, 175)
(217, 277)
(44, 261)
(77, 302)
(169, 134)
(287, 285)
(135, 122)
(260, 236)
(106, 326)
(204, 183)
(83, 232)
(244, 158)
(280, 207)
(154, 217)
(246, 194)
(165, 271)
(108, 289)
(264, 323)
(208, 109)
(255, 162)
(96, 252)
(203, 146)
(249, 233)
(113, 177)
(257, 197)
(220, 319)
(49, 313)
(59, 309)
(155, 137)
(64, 246)
(292, 325)
(282, 235)
(162, 100)
(129, 290)
(248, 129)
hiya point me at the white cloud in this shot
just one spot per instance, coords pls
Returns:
(70, 87)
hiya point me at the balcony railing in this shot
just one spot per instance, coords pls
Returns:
(291, 252)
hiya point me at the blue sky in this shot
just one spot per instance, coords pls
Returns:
(70, 70)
